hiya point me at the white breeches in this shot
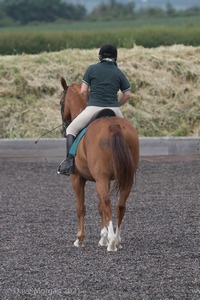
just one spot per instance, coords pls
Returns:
(85, 116)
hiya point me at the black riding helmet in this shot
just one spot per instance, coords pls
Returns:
(108, 51)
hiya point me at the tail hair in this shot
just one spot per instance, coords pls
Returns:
(122, 160)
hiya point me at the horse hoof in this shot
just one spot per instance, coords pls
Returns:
(112, 246)
(112, 249)
(103, 242)
(78, 244)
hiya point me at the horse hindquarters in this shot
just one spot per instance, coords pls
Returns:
(123, 170)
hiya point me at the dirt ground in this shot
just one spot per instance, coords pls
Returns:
(160, 258)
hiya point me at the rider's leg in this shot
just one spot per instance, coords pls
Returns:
(67, 166)
(82, 120)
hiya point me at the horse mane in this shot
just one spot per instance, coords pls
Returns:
(73, 100)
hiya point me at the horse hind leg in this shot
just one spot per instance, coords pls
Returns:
(120, 210)
(112, 242)
(105, 210)
(104, 232)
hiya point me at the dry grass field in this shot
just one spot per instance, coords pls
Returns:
(165, 90)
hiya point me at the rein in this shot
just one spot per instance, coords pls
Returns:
(65, 123)
(47, 132)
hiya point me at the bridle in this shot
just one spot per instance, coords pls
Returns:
(65, 123)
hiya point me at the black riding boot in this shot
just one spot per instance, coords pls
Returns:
(67, 167)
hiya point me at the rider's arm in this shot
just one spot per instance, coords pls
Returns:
(124, 98)
(85, 91)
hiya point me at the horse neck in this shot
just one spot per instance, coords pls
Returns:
(76, 110)
(75, 101)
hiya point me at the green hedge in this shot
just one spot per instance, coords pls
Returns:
(32, 42)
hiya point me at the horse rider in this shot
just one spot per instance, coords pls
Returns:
(100, 85)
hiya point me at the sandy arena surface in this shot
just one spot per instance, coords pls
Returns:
(160, 258)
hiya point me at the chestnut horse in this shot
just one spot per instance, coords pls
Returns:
(108, 151)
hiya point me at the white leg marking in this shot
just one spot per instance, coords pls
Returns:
(78, 244)
(118, 237)
(111, 238)
(104, 239)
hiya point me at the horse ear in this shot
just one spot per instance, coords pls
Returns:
(64, 84)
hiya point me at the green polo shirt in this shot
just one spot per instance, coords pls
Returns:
(105, 80)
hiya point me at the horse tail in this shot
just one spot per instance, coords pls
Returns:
(122, 160)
